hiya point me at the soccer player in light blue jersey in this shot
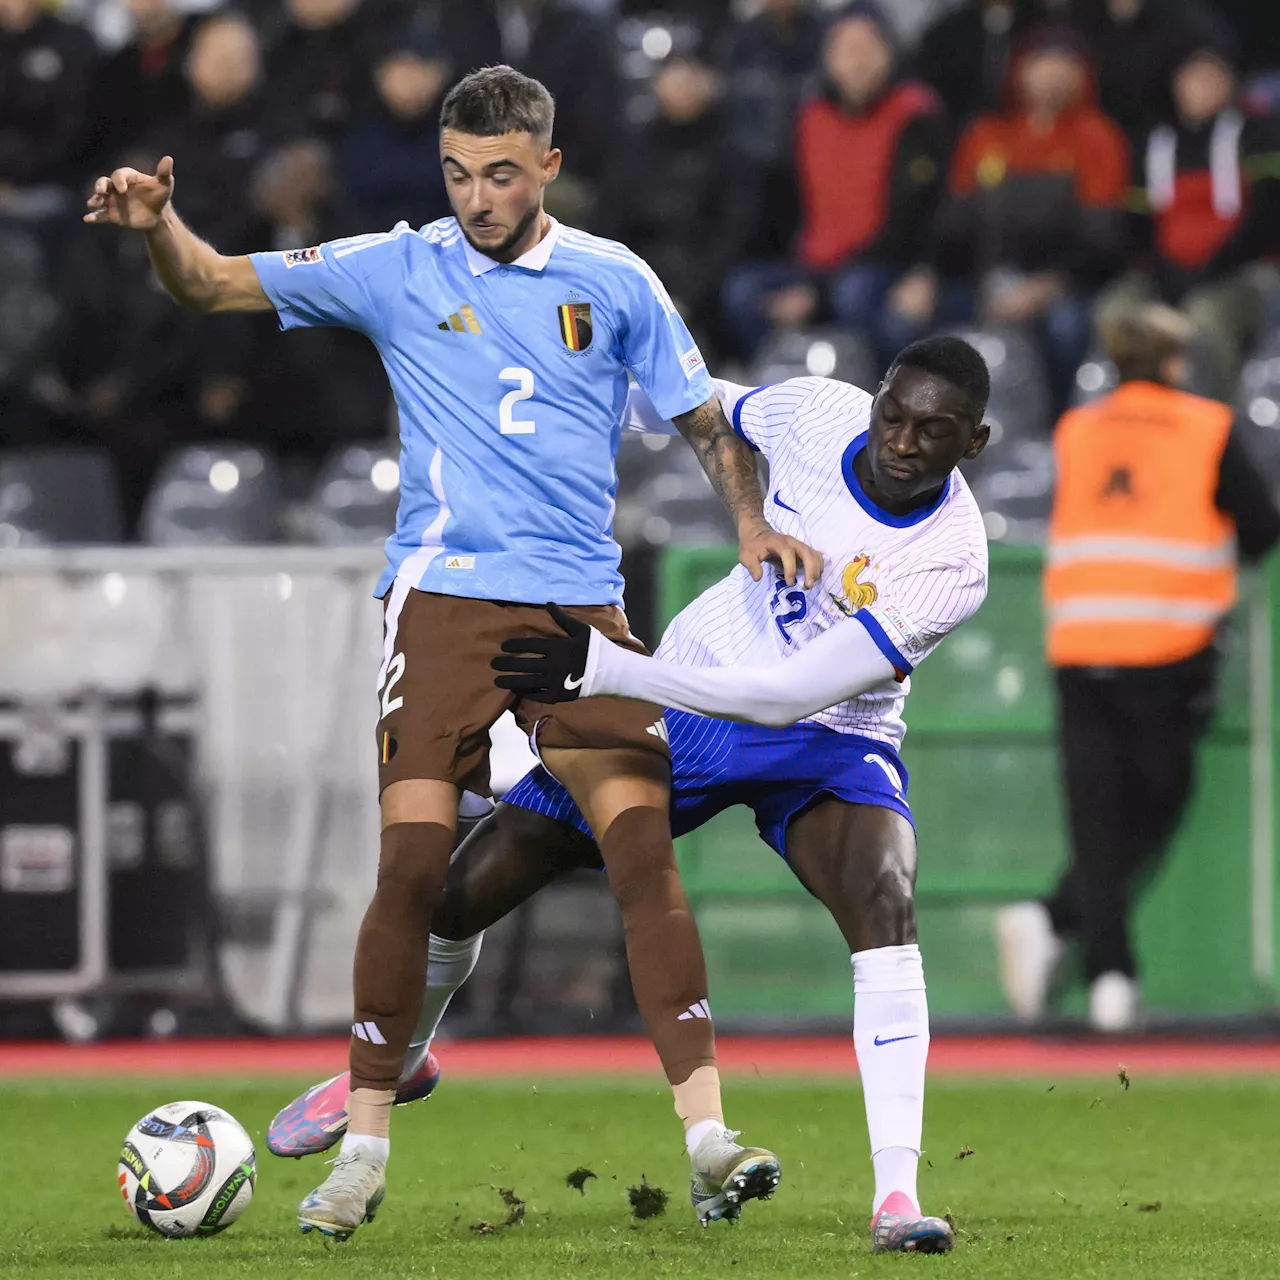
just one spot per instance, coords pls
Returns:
(508, 339)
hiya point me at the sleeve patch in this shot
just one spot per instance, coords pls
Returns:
(296, 257)
(904, 630)
(691, 362)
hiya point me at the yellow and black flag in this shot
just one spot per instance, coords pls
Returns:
(575, 325)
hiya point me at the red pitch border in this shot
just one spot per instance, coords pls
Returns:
(959, 1056)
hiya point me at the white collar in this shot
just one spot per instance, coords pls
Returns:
(534, 259)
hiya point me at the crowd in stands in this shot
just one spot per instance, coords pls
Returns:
(1004, 162)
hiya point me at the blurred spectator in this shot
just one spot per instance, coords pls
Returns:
(327, 386)
(1033, 219)
(140, 83)
(1135, 44)
(768, 60)
(319, 57)
(670, 194)
(965, 55)
(222, 136)
(574, 53)
(391, 157)
(44, 68)
(869, 154)
(1156, 498)
(1210, 186)
(134, 373)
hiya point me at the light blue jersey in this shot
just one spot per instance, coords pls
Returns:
(511, 381)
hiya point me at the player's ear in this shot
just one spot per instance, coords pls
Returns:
(978, 441)
(551, 164)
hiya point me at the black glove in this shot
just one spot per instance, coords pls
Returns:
(556, 673)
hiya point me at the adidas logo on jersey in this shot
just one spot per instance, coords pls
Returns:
(659, 730)
(462, 321)
(368, 1031)
(700, 1010)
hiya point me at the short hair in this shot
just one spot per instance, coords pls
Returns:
(955, 360)
(1139, 339)
(498, 100)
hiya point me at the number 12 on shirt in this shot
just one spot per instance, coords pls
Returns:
(508, 423)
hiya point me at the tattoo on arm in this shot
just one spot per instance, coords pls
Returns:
(726, 458)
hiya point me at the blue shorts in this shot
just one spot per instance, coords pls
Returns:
(777, 773)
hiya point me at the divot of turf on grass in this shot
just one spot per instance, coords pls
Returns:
(647, 1201)
(578, 1179)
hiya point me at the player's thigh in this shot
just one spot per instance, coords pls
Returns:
(859, 861)
(605, 782)
(508, 857)
(612, 754)
(436, 702)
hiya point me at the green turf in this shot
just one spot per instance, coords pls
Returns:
(1053, 1188)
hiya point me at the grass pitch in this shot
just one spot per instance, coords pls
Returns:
(1169, 1179)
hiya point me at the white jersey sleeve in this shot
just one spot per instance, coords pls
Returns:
(919, 607)
(765, 416)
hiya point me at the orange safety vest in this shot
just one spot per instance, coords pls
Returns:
(1141, 564)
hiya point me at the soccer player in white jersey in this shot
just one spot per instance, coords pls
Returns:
(508, 339)
(873, 485)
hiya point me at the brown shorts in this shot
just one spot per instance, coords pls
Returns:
(438, 700)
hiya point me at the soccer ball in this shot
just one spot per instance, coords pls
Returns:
(187, 1169)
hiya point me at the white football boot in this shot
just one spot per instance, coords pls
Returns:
(726, 1175)
(348, 1197)
(1113, 1003)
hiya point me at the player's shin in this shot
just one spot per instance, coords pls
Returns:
(391, 961)
(891, 1036)
(664, 953)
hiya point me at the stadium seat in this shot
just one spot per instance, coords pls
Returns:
(677, 507)
(1259, 409)
(213, 495)
(355, 496)
(825, 353)
(1019, 404)
(58, 496)
(1016, 495)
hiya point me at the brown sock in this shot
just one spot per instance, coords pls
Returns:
(391, 951)
(668, 972)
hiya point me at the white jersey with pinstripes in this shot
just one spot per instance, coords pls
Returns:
(909, 580)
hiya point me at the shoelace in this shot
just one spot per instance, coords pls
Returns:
(346, 1173)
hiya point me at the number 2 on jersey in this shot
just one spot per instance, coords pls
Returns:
(788, 606)
(508, 423)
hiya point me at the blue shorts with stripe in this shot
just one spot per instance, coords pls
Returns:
(777, 773)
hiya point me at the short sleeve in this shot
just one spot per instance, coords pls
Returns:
(915, 611)
(332, 284)
(657, 346)
(764, 416)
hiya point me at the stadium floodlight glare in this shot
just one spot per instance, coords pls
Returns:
(656, 43)
(995, 524)
(114, 589)
(1091, 376)
(1264, 411)
(224, 476)
(820, 359)
(385, 475)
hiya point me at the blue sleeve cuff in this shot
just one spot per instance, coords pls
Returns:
(883, 643)
(737, 417)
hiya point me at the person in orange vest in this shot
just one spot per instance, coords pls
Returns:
(1156, 499)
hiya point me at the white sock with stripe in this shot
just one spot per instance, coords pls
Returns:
(449, 965)
(891, 1036)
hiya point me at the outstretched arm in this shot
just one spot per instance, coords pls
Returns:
(731, 466)
(194, 273)
(841, 663)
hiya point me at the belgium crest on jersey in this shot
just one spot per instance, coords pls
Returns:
(575, 325)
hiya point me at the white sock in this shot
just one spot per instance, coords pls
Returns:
(379, 1148)
(695, 1133)
(891, 1036)
(449, 965)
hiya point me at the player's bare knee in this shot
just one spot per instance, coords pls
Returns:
(413, 861)
(888, 908)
